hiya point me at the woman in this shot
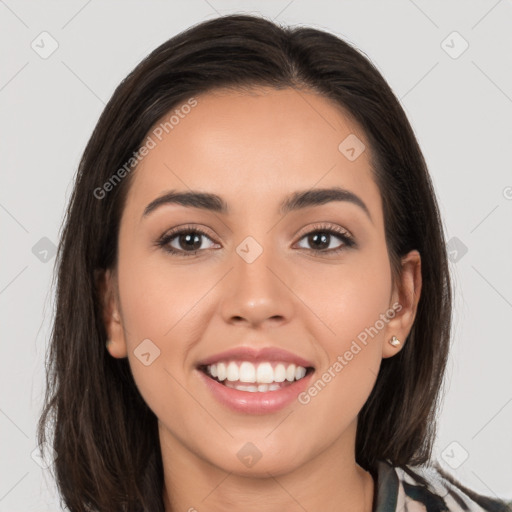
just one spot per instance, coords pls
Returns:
(253, 304)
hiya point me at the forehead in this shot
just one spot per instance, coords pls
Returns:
(252, 145)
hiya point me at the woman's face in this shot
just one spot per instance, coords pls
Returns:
(267, 274)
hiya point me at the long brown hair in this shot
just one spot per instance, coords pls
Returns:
(104, 434)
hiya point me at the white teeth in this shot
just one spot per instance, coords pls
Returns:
(252, 389)
(264, 374)
(240, 387)
(261, 374)
(290, 372)
(221, 371)
(247, 372)
(232, 371)
(299, 372)
(279, 373)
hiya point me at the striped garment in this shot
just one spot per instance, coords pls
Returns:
(427, 488)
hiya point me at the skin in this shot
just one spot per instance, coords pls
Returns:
(253, 149)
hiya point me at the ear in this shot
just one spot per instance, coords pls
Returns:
(404, 302)
(106, 282)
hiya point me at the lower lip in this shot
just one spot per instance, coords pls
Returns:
(256, 402)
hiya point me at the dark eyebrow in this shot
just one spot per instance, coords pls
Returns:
(319, 196)
(190, 199)
(296, 201)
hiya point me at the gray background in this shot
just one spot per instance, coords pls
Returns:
(459, 105)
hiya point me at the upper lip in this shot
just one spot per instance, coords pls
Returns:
(257, 355)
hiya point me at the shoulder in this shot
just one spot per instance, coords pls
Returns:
(428, 488)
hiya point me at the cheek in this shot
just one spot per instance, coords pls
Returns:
(158, 297)
(350, 297)
(160, 306)
(353, 306)
(353, 301)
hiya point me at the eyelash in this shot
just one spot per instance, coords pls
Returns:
(342, 234)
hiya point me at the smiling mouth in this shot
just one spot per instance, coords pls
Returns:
(260, 377)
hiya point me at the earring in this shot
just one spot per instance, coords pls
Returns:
(107, 344)
(394, 341)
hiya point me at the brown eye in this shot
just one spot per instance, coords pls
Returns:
(322, 239)
(184, 242)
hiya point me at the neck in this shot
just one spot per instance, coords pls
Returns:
(330, 482)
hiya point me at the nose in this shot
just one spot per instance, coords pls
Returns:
(257, 293)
